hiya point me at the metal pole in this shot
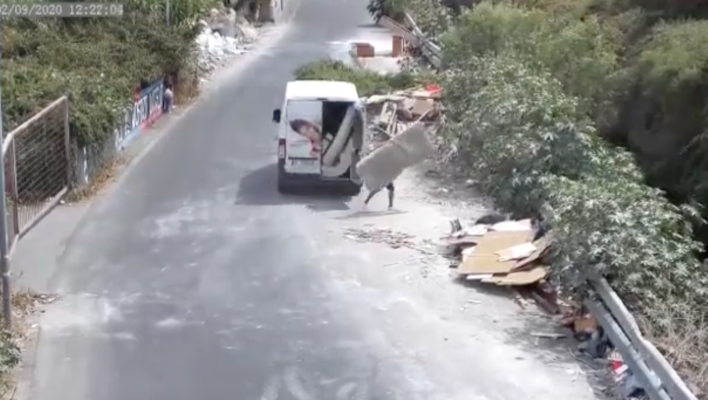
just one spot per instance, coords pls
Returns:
(4, 251)
(167, 12)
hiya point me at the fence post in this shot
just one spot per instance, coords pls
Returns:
(4, 251)
(14, 196)
(67, 145)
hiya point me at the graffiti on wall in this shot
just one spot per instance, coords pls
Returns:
(145, 110)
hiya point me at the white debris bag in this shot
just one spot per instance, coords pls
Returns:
(385, 164)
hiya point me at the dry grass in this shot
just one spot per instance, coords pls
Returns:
(187, 90)
(684, 342)
(106, 175)
(25, 304)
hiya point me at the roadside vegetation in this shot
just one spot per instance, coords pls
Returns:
(367, 82)
(98, 63)
(591, 114)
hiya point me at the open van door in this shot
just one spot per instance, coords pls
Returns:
(303, 139)
(358, 141)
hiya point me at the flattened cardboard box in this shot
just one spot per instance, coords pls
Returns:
(521, 278)
(485, 260)
(541, 247)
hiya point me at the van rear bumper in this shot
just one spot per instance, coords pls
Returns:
(313, 180)
(283, 175)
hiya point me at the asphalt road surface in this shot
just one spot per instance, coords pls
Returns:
(193, 279)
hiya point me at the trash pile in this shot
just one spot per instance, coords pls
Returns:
(395, 112)
(506, 253)
(509, 253)
(223, 36)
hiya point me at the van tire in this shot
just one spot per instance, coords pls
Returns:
(283, 187)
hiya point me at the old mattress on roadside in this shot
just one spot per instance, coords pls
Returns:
(385, 164)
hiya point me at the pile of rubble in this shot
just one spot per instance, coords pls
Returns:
(507, 253)
(223, 36)
(393, 113)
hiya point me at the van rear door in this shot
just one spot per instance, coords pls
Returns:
(303, 139)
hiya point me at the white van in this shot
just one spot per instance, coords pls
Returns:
(321, 131)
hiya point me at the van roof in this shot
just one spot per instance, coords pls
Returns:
(334, 90)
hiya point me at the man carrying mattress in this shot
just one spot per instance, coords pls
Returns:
(373, 193)
(383, 165)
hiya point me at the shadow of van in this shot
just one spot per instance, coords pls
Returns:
(259, 188)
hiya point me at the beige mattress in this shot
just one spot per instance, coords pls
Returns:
(385, 164)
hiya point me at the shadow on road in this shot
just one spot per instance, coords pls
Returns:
(372, 25)
(259, 188)
(370, 214)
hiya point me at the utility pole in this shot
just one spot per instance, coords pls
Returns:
(167, 12)
(4, 248)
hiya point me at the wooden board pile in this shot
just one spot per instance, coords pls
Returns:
(395, 112)
(511, 254)
(507, 253)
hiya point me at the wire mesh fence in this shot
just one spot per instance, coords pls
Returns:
(38, 169)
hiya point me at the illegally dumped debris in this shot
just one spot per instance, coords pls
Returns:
(511, 253)
(505, 253)
(395, 112)
(403, 129)
(223, 35)
(393, 239)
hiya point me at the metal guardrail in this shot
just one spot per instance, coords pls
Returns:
(653, 372)
(431, 51)
(656, 376)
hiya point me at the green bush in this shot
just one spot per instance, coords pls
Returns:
(386, 8)
(536, 153)
(367, 82)
(430, 17)
(526, 88)
(578, 53)
(97, 63)
(675, 54)
(10, 358)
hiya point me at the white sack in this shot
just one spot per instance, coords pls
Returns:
(386, 163)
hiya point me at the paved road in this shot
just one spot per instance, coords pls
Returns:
(193, 279)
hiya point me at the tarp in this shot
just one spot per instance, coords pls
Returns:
(385, 164)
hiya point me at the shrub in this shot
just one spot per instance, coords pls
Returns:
(98, 64)
(576, 52)
(430, 17)
(536, 153)
(675, 54)
(523, 90)
(10, 358)
(367, 82)
(386, 8)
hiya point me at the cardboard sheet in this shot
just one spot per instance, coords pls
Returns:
(541, 247)
(485, 260)
(521, 278)
(518, 252)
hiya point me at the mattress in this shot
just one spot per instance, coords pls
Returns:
(385, 164)
(341, 138)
